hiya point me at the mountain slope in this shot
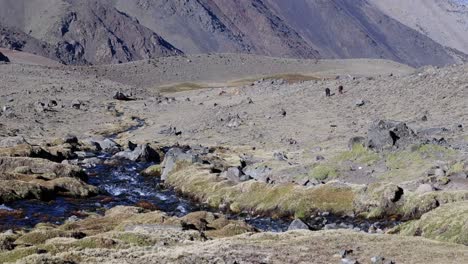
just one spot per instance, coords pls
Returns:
(353, 29)
(114, 31)
(200, 26)
(445, 21)
(86, 31)
(300, 28)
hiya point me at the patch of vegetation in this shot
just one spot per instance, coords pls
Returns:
(359, 154)
(446, 223)
(261, 198)
(323, 172)
(152, 171)
(457, 168)
(409, 164)
(39, 237)
(17, 254)
(135, 239)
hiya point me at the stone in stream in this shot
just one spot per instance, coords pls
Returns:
(297, 224)
(106, 145)
(142, 153)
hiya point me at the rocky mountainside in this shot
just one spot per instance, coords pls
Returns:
(113, 31)
(82, 32)
(445, 21)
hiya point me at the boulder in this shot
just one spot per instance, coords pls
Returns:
(142, 153)
(122, 97)
(260, 173)
(235, 174)
(175, 155)
(72, 187)
(13, 190)
(386, 134)
(106, 145)
(297, 224)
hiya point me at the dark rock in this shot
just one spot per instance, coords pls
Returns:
(4, 59)
(283, 112)
(319, 158)
(122, 97)
(70, 139)
(297, 224)
(132, 146)
(386, 134)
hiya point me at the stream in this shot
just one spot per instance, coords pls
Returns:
(123, 184)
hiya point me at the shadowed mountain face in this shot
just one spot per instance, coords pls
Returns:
(113, 31)
(81, 32)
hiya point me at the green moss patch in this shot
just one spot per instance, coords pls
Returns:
(258, 197)
(447, 223)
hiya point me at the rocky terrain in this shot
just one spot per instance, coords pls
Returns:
(232, 158)
(116, 31)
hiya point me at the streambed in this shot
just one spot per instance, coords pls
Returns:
(122, 184)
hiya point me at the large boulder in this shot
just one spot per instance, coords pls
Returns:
(387, 134)
(142, 153)
(175, 155)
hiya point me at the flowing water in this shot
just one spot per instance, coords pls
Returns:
(122, 184)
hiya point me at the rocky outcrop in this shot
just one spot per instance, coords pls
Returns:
(34, 178)
(388, 135)
(141, 153)
(80, 32)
